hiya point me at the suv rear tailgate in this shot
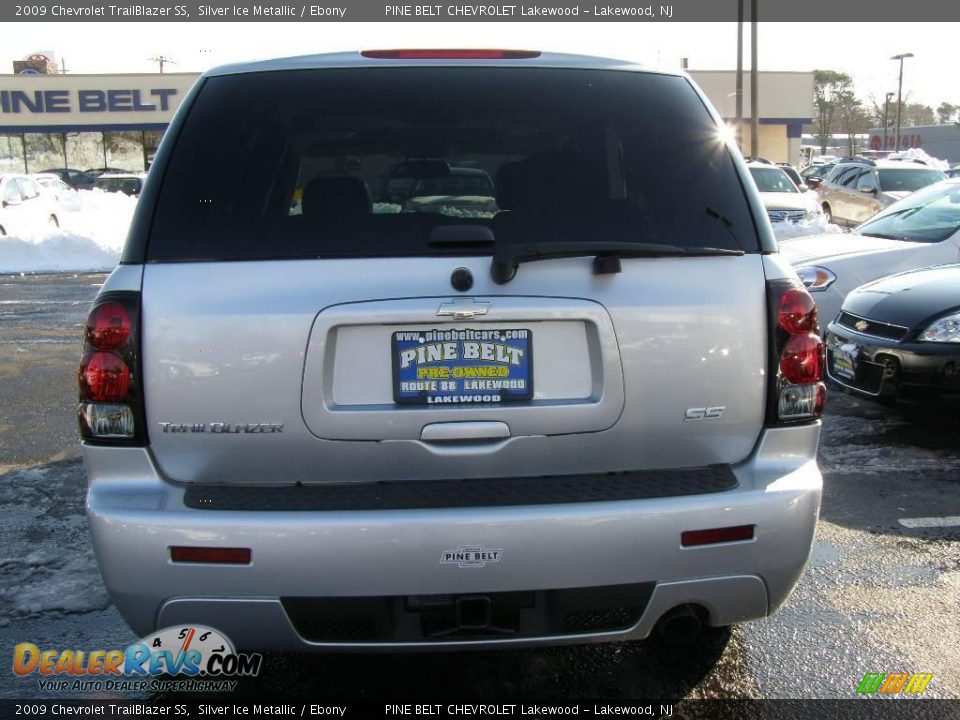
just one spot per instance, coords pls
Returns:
(613, 377)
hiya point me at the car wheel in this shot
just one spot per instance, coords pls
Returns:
(53, 221)
(827, 215)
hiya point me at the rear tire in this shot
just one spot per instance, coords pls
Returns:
(2, 231)
(52, 220)
(827, 215)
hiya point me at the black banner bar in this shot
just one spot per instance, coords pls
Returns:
(219, 707)
(857, 11)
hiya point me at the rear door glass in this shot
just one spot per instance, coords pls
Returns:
(366, 162)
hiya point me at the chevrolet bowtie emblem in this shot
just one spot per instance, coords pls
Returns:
(463, 309)
(862, 325)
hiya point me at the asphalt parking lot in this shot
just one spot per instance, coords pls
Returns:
(878, 596)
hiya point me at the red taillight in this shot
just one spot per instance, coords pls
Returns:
(223, 556)
(450, 54)
(801, 360)
(105, 377)
(108, 326)
(110, 408)
(797, 313)
(797, 354)
(716, 535)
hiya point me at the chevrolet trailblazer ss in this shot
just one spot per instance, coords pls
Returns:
(423, 349)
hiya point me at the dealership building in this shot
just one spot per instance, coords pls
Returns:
(938, 141)
(116, 121)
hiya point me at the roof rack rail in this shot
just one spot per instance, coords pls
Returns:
(919, 161)
(759, 159)
(858, 159)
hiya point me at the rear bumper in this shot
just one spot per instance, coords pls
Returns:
(135, 516)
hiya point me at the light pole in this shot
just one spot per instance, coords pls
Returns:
(739, 90)
(754, 82)
(886, 109)
(901, 57)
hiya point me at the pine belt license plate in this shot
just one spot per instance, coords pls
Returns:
(462, 367)
(843, 360)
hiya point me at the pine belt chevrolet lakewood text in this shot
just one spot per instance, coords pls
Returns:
(452, 349)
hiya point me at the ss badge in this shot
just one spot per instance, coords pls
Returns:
(704, 413)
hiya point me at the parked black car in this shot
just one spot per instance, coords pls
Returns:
(97, 172)
(898, 339)
(813, 175)
(792, 173)
(77, 179)
(126, 183)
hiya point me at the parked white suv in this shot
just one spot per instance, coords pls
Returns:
(24, 209)
(313, 421)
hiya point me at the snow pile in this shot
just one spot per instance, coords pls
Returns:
(93, 227)
(921, 155)
(817, 226)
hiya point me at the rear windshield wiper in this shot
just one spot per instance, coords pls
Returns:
(507, 258)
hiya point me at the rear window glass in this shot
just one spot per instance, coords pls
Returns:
(772, 180)
(908, 180)
(367, 162)
(127, 186)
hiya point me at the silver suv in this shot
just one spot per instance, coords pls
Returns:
(314, 420)
(853, 192)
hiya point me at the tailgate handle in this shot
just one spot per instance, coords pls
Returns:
(459, 431)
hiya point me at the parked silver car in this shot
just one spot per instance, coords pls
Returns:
(587, 414)
(781, 197)
(855, 191)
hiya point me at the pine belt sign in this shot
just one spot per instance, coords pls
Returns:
(39, 103)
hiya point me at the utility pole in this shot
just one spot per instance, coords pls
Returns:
(738, 123)
(886, 123)
(901, 58)
(754, 90)
(162, 60)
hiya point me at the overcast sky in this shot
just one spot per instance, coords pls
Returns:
(861, 49)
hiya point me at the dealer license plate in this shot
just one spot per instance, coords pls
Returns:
(460, 367)
(843, 361)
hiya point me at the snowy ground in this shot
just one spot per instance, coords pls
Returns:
(818, 226)
(93, 227)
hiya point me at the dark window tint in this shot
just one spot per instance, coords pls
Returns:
(846, 174)
(127, 186)
(853, 178)
(908, 180)
(365, 162)
(772, 180)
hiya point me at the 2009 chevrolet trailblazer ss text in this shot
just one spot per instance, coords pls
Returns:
(423, 349)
